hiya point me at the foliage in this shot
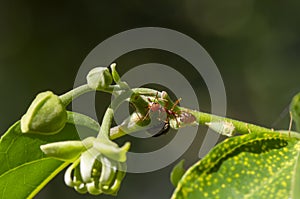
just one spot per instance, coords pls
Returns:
(262, 163)
(256, 165)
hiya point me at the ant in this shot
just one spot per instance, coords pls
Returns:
(164, 113)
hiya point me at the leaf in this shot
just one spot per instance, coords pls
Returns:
(177, 173)
(256, 165)
(296, 179)
(24, 169)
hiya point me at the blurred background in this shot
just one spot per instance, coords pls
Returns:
(255, 44)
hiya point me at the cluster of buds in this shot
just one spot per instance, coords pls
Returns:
(98, 164)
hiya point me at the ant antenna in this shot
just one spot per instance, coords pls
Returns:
(134, 107)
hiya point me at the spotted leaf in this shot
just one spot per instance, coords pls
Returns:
(254, 166)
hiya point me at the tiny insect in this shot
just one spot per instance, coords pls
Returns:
(163, 115)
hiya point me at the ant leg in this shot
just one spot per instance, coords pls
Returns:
(133, 106)
(174, 114)
(149, 106)
(147, 114)
(156, 98)
(175, 104)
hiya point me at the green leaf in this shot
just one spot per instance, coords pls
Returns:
(177, 173)
(296, 179)
(256, 165)
(24, 169)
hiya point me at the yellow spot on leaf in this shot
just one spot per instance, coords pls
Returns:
(236, 175)
(283, 183)
(229, 179)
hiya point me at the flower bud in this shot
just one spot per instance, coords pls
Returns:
(99, 78)
(46, 115)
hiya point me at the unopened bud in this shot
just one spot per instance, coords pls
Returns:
(99, 78)
(46, 115)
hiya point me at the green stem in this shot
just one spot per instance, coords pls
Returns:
(106, 123)
(239, 126)
(202, 119)
(72, 94)
(130, 125)
(68, 97)
(146, 91)
(109, 114)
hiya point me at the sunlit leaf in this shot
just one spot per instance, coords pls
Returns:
(24, 169)
(295, 190)
(250, 166)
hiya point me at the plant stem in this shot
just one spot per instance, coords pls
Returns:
(106, 123)
(72, 94)
(203, 118)
(241, 127)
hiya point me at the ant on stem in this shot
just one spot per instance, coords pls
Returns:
(164, 113)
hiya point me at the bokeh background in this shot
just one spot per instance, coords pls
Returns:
(255, 44)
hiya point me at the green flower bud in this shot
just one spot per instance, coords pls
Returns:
(99, 78)
(46, 115)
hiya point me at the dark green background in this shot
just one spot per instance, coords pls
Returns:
(255, 44)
